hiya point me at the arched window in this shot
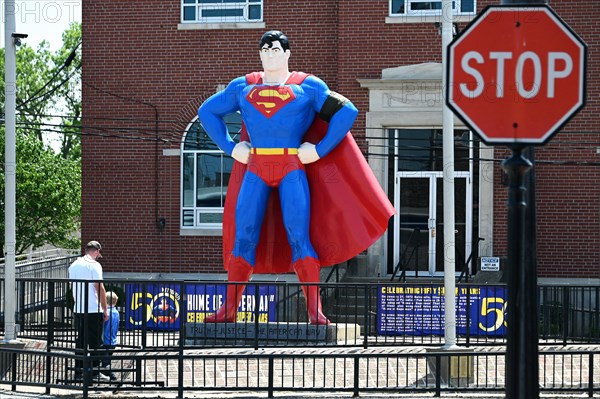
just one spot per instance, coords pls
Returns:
(205, 172)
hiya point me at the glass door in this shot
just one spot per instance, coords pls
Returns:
(413, 227)
(416, 169)
(460, 224)
(419, 228)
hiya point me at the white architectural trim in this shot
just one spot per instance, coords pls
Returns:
(222, 25)
(420, 19)
(412, 97)
(201, 232)
(486, 200)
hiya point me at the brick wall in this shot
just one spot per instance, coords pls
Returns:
(144, 79)
(567, 175)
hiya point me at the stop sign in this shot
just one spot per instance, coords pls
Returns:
(516, 74)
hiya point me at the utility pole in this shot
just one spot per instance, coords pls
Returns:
(10, 93)
(448, 188)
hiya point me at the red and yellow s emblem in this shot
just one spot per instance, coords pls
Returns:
(270, 99)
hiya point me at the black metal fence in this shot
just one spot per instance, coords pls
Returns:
(52, 264)
(361, 371)
(157, 314)
(393, 329)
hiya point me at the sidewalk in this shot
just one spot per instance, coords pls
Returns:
(287, 395)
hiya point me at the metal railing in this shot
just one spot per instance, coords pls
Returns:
(183, 370)
(406, 257)
(155, 314)
(387, 351)
(52, 265)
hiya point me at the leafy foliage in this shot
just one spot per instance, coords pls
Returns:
(48, 196)
(70, 92)
(50, 84)
(48, 90)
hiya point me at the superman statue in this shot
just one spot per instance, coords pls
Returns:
(299, 175)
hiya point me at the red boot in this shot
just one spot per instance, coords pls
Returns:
(239, 271)
(308, 271)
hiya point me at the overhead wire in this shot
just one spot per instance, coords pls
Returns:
(44, 96)
(101, 134)
(175, 135)
(65, 64)
(178, 133)
(368, 136)
(126, 135)
(170, 136)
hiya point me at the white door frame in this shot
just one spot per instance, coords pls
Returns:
(432, 217)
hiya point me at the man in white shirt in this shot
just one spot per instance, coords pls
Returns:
(90, 308)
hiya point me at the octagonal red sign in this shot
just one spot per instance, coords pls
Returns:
(516, 74)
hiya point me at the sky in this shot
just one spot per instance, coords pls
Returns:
(43, 19)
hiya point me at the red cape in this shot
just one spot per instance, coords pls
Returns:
(349, 210)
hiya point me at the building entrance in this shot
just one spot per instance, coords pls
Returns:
(418, 226)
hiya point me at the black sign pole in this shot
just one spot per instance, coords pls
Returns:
(522, 362)
(521, 345)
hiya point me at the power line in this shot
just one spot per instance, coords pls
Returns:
(175, 136)
(119, 96)
(107, 134)
(171, 134)
(44, 96)
(179, 132)
(65, 64)
(113, 119)
(148, 133)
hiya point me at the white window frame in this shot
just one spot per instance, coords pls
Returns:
(200, 211)
(197, 211)
(424, 13)
(243, 5)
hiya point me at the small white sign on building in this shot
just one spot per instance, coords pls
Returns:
(490, 264)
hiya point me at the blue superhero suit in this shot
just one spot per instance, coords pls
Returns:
(350, 210)
(276, 118)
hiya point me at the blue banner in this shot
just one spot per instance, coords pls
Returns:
(161, 306)
(419, 310)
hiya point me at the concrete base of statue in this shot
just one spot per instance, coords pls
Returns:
(272, 333)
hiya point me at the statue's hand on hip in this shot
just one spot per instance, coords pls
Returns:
(241, 152)
(308, 153)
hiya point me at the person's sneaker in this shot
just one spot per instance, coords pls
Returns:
(113, 377)
(101, 377)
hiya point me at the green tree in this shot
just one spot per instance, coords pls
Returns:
(48, 193)
(70, 92)
(32, 73)
(50, 85)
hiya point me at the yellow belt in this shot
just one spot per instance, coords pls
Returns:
(274, 151)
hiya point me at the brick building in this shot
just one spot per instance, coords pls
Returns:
(153, 185)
